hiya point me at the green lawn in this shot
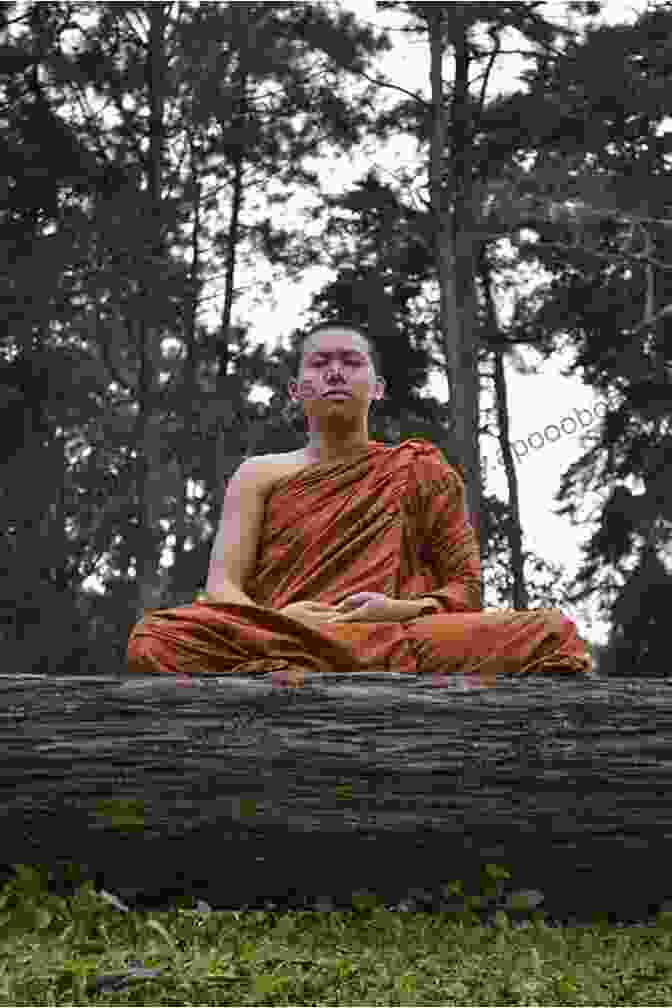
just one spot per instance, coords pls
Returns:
(53, 948)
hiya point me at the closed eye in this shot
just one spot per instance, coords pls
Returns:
(352, 362)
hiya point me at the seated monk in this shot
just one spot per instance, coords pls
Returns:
(348, 556)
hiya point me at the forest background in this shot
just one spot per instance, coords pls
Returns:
(169, 166)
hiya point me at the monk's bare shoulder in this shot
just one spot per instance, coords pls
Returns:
(276, 466)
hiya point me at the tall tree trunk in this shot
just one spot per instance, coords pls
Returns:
(228, 386)
(150, 537)
(252, 18)
(514, 531)
(188, 384)
(651, 527)
(465, 243)
(452, 195)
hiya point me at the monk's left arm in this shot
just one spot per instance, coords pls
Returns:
(448, 538)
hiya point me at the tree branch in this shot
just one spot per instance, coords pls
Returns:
(647, 323)
(615, 214)
(612, 257)
(395, 87)
(112, 368)
(488, 70)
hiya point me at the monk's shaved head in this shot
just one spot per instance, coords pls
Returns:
(310, 342)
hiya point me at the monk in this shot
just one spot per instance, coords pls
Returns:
(348, 556)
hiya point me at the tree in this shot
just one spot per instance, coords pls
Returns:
(600, 199)
(515, 537)
(133, 284)
(49, 174)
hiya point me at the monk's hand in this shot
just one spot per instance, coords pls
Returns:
(311, 614)
(370, 607)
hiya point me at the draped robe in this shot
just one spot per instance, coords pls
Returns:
(390, 520)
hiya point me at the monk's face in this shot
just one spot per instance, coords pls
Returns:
(336, 360)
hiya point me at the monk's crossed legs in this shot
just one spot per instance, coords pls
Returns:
(203, 640)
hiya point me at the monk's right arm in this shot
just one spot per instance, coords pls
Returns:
(234, 550)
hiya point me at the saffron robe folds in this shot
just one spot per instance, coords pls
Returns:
(391, 520)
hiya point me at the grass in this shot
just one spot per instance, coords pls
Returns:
(53, 948)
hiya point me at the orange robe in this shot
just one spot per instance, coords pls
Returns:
(392, 520)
